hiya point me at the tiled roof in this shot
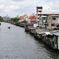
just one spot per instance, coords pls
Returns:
(32, 18)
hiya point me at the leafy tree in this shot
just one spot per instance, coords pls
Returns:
(1, 19)
(15, 19)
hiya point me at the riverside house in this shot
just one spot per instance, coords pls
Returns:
(22, 20)
(32, 19)
(49, 20)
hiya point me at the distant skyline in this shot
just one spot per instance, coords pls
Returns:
(21, 7)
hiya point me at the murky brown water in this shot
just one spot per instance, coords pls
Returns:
(16, 44)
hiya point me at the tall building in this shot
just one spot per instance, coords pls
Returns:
(47, 20)
(39, 11)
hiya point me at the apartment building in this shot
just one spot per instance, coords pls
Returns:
(47, 20)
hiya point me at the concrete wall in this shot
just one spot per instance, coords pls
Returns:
(51, 21)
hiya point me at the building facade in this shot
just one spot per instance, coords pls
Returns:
(47, 20)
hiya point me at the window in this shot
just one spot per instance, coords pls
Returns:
(52, 24)
(38, 18)
(54, 18)
(58, 25)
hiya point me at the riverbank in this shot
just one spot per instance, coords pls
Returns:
(44, 36)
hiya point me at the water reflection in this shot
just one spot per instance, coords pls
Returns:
(52, 54)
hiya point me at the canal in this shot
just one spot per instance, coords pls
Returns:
(17, 44)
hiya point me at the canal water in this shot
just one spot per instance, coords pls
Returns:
(17, 44)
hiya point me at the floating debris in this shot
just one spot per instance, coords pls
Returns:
(0, 24)
(9, 27)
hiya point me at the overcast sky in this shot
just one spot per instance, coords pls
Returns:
(20, 7)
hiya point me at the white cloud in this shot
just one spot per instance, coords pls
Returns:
(12, 5)
(49, 6)
(1, 6)
(15, 7)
